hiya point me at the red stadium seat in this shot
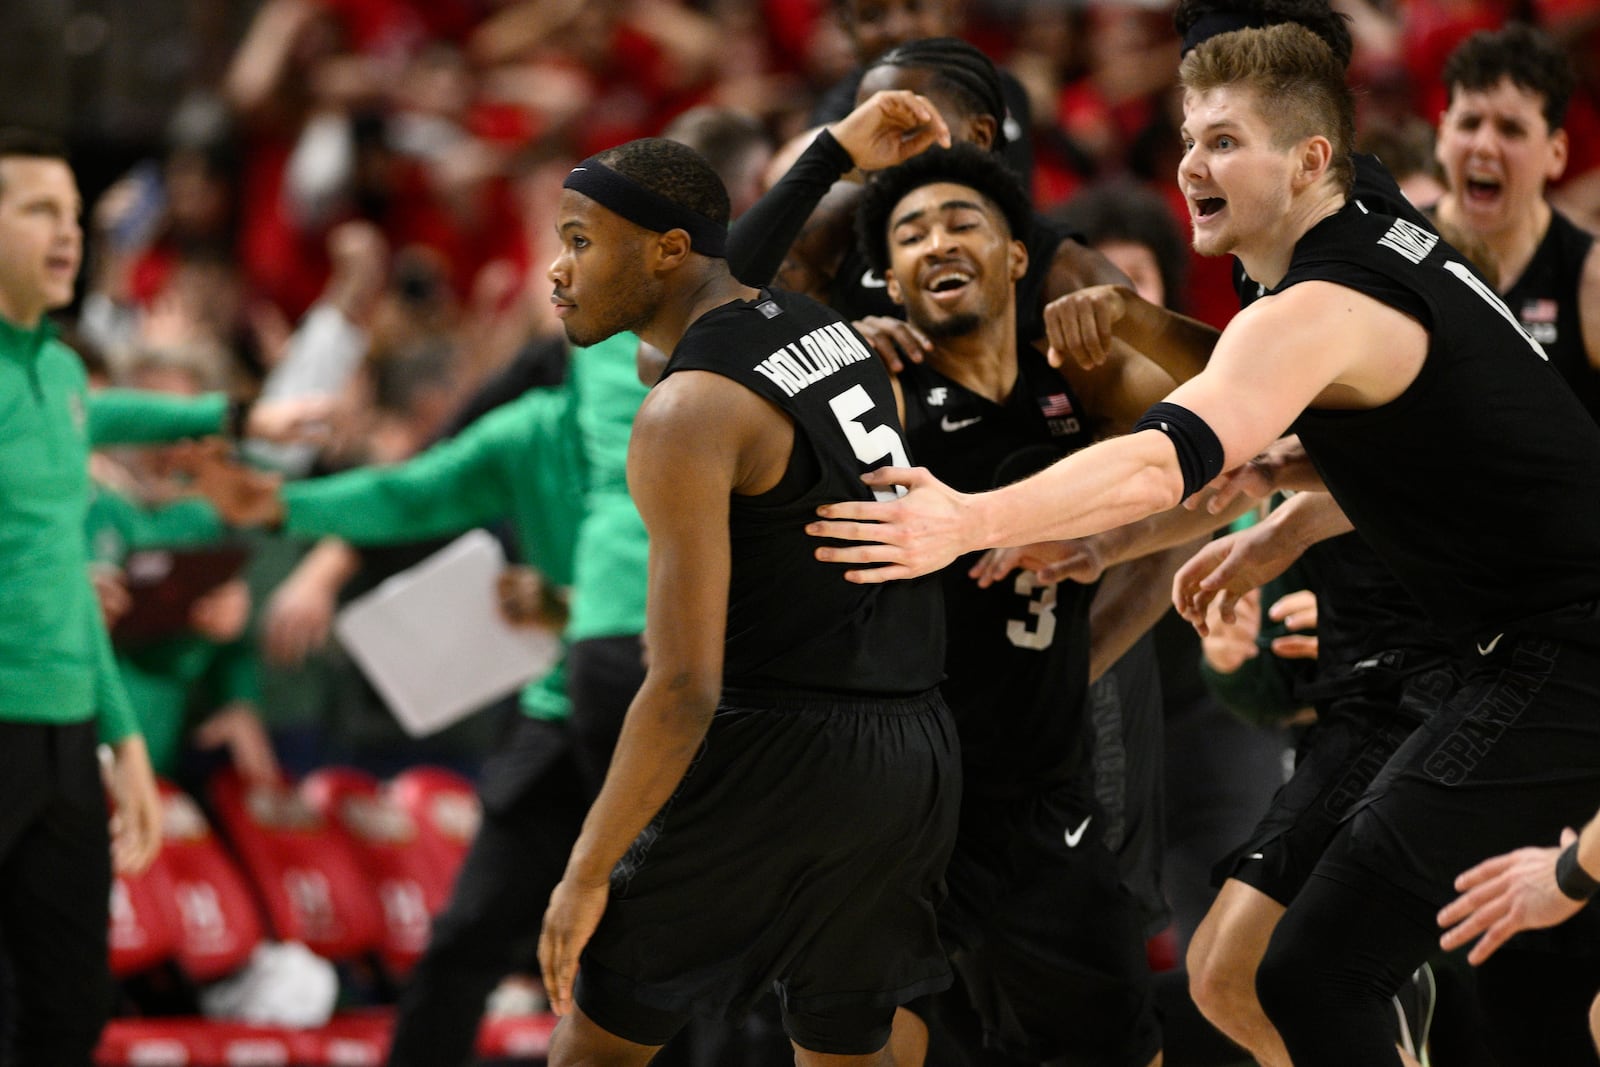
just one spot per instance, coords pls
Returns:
(445, 808)
(145, 926)
(304, 868)
(196, 907)
(219, 922)
(411, 886)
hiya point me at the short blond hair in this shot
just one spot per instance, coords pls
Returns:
(1295, 76)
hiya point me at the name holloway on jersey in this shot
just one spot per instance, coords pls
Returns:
(813, 357)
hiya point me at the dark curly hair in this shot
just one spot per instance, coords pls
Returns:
(1521, 53)
(961, 164)
(1199, 20)
(674, 170)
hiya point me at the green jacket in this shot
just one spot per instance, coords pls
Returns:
(165, 680)
(522, 461)
(55, 658)
(612, 549)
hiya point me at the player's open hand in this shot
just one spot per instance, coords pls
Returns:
(1504, 895)
(917, 534)
(1298, 613)
(1227, 646)
(890, 127)
(1073, 560)
(1225, 570)
(895, 340)
(1081, 325)
(569, 923)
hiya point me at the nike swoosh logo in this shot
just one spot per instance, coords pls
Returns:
(870, 280)
(1484, 650)
(949, 425)
(1074, 836)
(1256, 856)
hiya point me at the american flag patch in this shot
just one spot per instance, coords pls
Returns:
(1542, 310)
(1055, 406)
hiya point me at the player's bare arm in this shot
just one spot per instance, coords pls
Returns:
(1228, 568)
(1083, 327)
(1085, 559)
(697, 438)
(887, 128)
(1119, 389)
(1274, 361)
(1282, 465)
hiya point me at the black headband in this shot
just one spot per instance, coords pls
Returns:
(1213, 23)
(646, 207)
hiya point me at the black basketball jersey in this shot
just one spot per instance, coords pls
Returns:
(1017, 664)
(1545, 301)
(1375, 187)
(1480, 484)
(1361, 607)
(793, 621)
(858, 291)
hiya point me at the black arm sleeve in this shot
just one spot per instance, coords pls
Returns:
(762, 236)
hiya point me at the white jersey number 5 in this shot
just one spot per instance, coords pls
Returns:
(872, 446)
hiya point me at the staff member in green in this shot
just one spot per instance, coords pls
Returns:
(59, 690)
(552, 461)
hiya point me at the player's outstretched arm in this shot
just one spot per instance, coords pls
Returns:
(1119, 481)
(1273, 362)
(1229, 567)
(683, 460)
(1081, 326)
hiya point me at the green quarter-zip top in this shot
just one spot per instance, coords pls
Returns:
(55, 657)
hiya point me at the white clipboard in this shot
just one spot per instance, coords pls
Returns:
(432, 640)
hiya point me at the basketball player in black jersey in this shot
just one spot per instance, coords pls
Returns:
(1414, 390)
(782, 799)
(801, 233)
(1380, 662)
(1500, 141)
(1044, 925)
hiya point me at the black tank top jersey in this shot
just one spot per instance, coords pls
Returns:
(1362, 608)
(857, 291)
(1545, 301)
(1017, 663)
(1375, 187)
(793, 621)
(1480, 484)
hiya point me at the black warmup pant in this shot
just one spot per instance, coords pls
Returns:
(536, 790)
(55, 891)
(1511, 758)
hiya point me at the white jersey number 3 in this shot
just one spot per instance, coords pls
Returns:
(1039, 629)
(872, 446)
